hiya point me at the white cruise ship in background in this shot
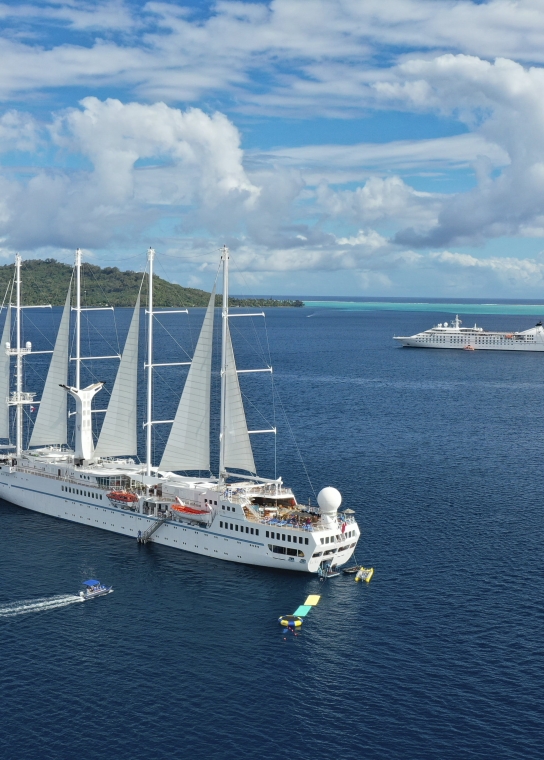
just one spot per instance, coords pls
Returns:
(238, 518)
(452, 335)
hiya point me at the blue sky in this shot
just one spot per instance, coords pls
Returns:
(339, 147)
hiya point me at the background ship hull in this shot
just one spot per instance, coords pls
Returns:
(412, 343)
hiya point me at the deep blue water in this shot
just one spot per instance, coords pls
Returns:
(441, 656)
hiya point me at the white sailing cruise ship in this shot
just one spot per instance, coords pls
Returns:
(452, 335)
(238, 518)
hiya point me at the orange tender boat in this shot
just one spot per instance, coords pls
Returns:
(122, 497)
(189, 510)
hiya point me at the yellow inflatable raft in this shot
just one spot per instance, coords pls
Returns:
(364, 574)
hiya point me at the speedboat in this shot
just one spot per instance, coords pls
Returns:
(94, 588)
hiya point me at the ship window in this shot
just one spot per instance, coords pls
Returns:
(322, 540)
(283, 536)
(222, 506)
(247, 529)
(267, 534)
(231, 526)
(221, 523)
(228, 509)
(289, 539)
(257, 531)
(251, 531)
(236, 527)
(306, 541)
(215, 503)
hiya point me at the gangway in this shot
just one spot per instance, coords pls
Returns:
(144, 537)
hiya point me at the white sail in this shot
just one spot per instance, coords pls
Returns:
(4, 377)
(119, 430)
(237, 446)
(50, 425)
(188, 445)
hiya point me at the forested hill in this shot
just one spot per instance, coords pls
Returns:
(46, 282)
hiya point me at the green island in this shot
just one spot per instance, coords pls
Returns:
(45, 281)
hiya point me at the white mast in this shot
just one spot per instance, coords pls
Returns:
(18, 397)
(150, 257)
(84, 446)
(224, 333)
(78, 319)
(19, 360)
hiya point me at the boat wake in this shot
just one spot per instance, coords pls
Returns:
(24, 607)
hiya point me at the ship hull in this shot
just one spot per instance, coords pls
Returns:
(44, 495)
(509, 345)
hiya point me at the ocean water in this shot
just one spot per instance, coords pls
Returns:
(440, 453)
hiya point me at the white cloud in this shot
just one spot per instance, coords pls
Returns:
(196, 161)
(504, 102)
(334, 161)
(381, 199)
(18, 131)
(313, 52)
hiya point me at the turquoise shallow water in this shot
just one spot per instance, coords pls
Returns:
(529, 309)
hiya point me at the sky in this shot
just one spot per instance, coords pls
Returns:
(338, 147)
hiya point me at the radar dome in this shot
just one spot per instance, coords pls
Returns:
(329, 499)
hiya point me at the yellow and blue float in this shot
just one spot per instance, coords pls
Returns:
(290, 621)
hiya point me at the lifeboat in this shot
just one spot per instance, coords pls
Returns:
(179, 506)
(122, 498)
(188, 510)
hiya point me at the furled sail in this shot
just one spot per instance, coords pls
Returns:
(50, 425)
(188, 445)
(237, 447)
(119, 429)
(4, 377)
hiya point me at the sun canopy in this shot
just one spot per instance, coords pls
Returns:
(91, 583)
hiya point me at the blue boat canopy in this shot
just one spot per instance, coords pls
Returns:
(91, 583)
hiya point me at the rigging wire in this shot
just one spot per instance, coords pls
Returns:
(295, 441)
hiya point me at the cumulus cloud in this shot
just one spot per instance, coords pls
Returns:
(504, 102)
(145, 162)
(380, 199)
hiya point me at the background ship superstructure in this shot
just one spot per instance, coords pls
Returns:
(240, 518)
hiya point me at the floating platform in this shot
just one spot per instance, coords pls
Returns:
(295, 620)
